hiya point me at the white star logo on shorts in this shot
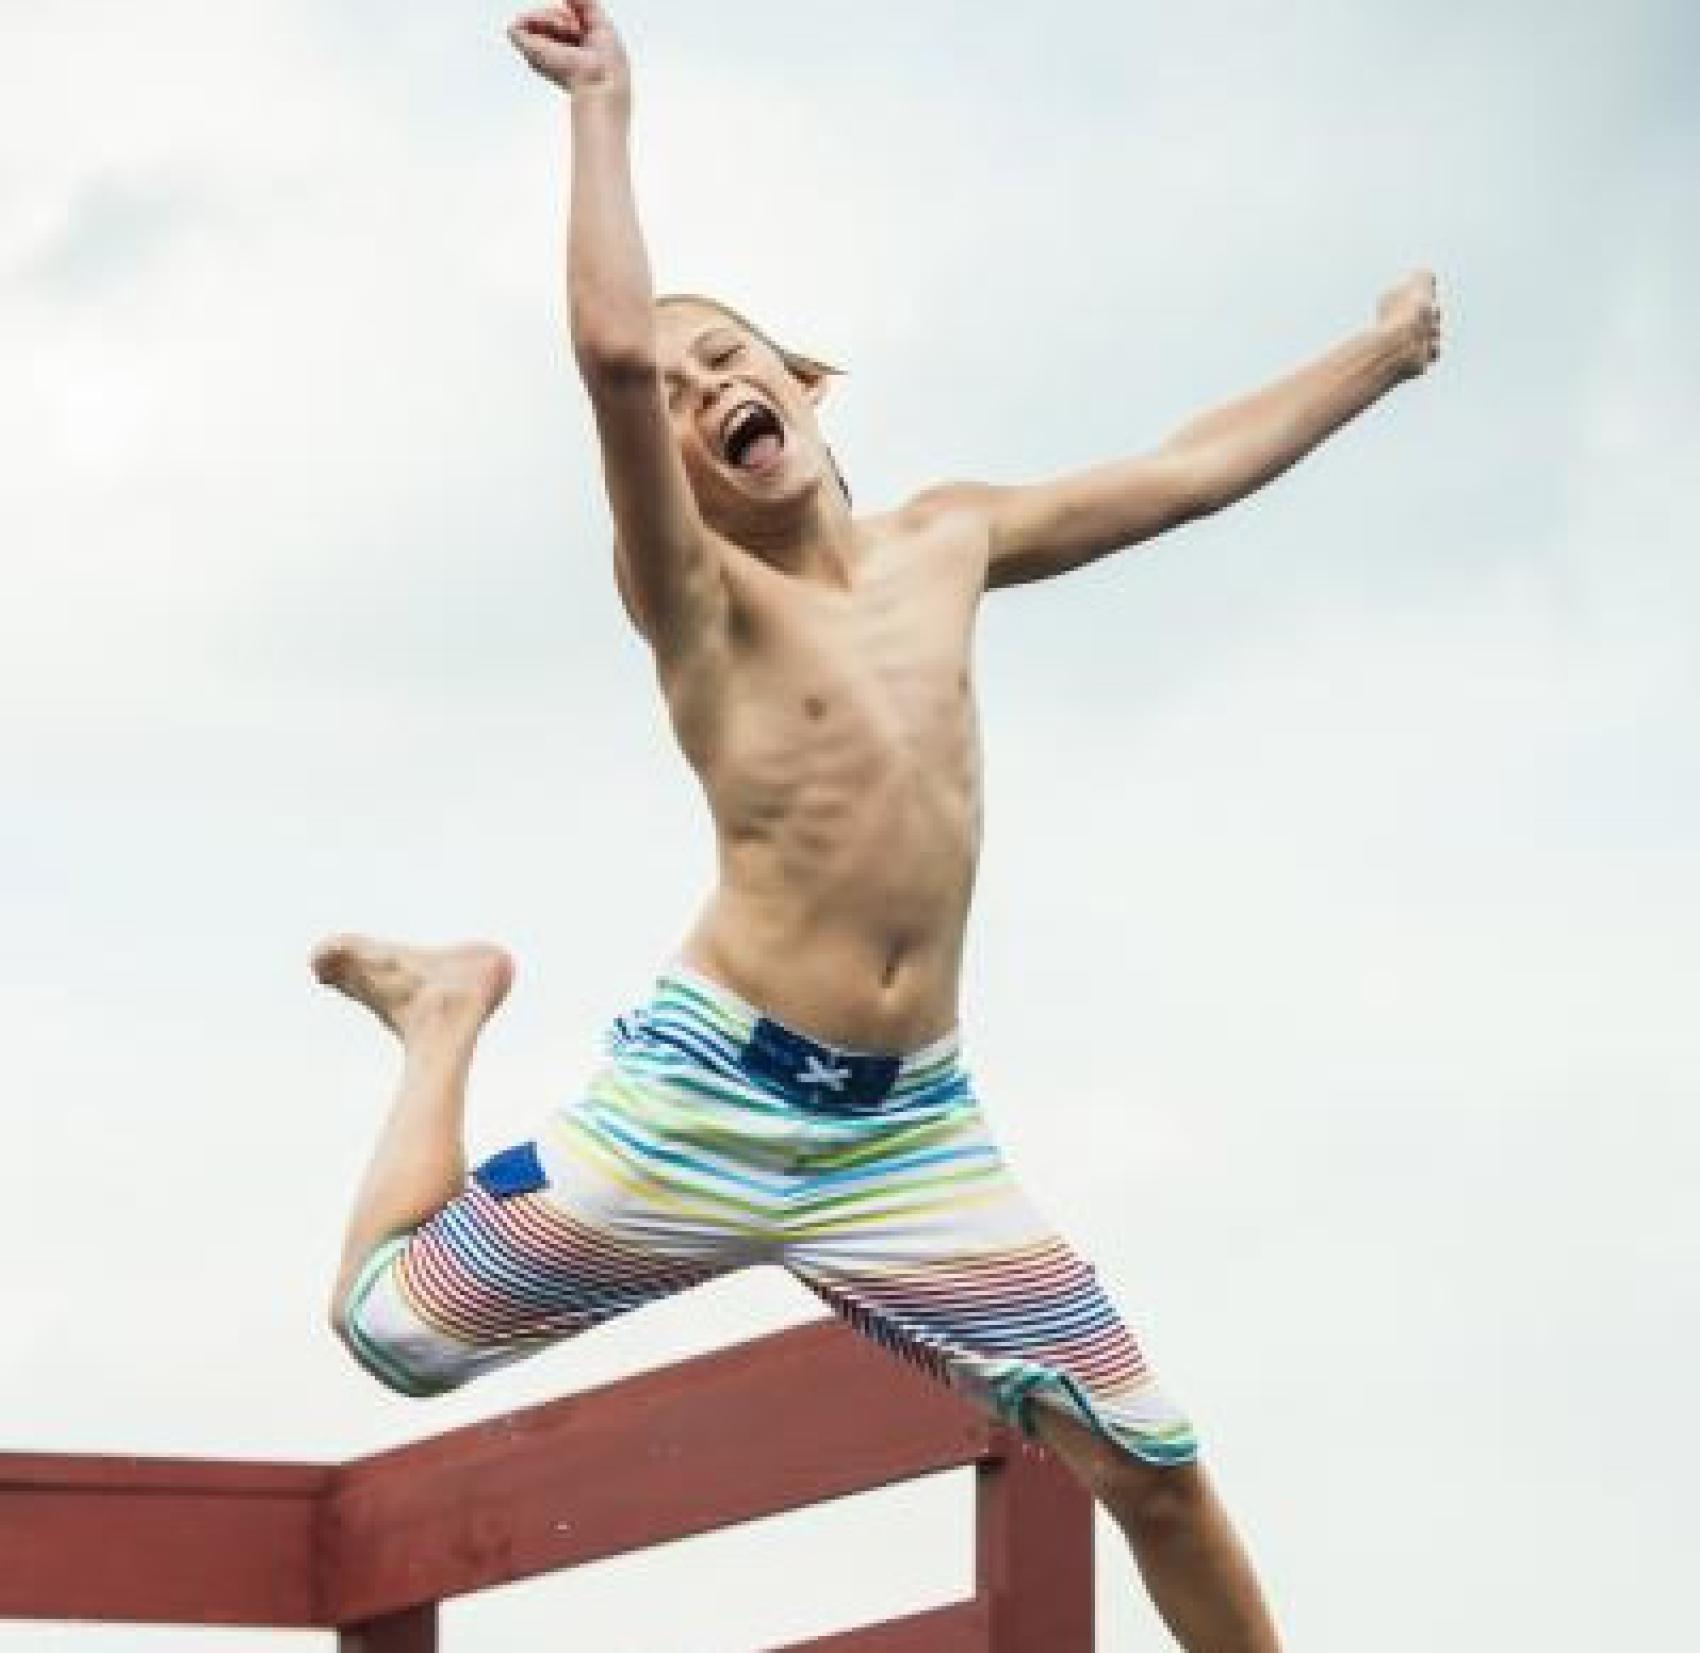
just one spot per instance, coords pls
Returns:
(816, 1072)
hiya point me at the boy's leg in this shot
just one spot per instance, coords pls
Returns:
(1188, 1553)
(436, 1001)
(944, 1260)
(447, 1276)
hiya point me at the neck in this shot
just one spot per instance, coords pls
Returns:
(814, 542)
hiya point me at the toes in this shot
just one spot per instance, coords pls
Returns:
(329, 955)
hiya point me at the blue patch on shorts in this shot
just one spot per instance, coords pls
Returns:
(817, 1076)
(515, 1170)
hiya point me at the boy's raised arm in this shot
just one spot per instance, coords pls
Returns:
(669, 573)
(1051, 527)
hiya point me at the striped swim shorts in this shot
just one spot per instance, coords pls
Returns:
(714, 1138)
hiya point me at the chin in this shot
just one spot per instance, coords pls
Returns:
(787, 484)
(797, 478)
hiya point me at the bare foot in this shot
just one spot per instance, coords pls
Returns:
(405, 986)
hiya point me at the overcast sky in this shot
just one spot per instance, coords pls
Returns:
(1333, 974)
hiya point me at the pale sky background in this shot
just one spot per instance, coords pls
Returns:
(1333, 976)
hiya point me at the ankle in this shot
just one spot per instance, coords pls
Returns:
(442, 1017)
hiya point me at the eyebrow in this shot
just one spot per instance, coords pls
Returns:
(714, 330)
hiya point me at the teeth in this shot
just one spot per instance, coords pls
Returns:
(740, 419)
(738, 422)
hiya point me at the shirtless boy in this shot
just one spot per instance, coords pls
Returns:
(793, 1092)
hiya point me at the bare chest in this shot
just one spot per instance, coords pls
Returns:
(852, 694)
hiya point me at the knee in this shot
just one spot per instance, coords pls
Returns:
(374, 1340)
(337, 1318)
(383, 1358)
(339, 1315)
(1150, 1498)
(337, 1308)
(340, 1306)
(1164, 1488)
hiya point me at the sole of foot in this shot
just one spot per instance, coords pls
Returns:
(403, 986)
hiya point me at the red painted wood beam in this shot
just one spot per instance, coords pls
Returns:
(767, 1426)
(959, 1628)
(1033, 1551)
(158, 1540)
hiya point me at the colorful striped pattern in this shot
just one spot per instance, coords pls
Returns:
(679, 1164)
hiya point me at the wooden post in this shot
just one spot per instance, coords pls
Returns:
(1033, 1551)
(411, 1631)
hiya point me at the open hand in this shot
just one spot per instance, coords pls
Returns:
(575, 46)
(1410, 314)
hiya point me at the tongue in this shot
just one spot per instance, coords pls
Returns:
(761, 453)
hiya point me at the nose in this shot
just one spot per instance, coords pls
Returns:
(711, 391)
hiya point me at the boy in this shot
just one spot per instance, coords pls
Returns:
(793, 1093)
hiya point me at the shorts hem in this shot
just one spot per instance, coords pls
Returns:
(1168, 1448)
(376, 1361)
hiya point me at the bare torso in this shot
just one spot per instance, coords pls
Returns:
(838, 744)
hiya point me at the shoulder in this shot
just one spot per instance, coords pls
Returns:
(955, 520)
(949, 499)
(962, 514)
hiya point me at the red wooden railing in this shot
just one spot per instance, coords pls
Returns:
(368, 1548)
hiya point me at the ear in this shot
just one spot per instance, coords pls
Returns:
(814, 376)
(816, 381)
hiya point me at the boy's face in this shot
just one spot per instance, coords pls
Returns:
(744, 422)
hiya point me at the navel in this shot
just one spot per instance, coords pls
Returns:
(814, 705)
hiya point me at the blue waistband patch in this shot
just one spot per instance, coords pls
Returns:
(816, 1076)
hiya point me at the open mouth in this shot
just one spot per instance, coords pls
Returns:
(752, 437)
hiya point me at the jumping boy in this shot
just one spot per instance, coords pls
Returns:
(793, 1092)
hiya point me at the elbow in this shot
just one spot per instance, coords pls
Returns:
(1192, 486)
(612, 341)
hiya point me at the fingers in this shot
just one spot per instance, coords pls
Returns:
(1429, 320)
(533, 41)
(556, 23)
(573, 45)
(563, 66)
(1409, 312)
(581, 17)
(550, 42)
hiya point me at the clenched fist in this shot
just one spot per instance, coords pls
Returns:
(1410, 315)
(575, 46)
